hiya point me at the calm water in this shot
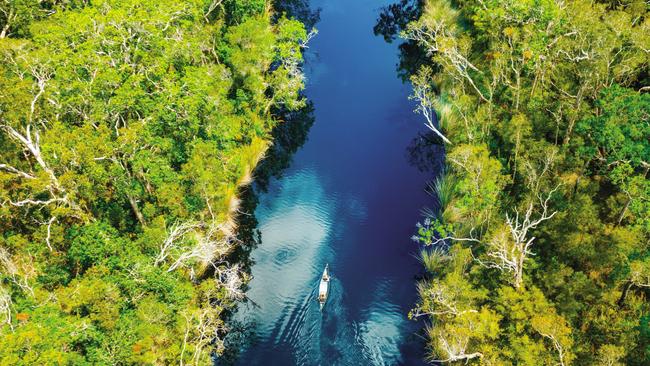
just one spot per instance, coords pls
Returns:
(350, 198)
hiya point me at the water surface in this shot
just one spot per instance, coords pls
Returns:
(350, 198)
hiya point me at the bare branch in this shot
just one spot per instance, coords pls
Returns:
(230, 278)
(42, 76)
(421, 93)
(441, 299)
(7, 262)
(49, 232)
(31, 141)
(454, 347)
(175, 234)
(557, 345)
(509, 252)
(429, 35)
(5, 307)
(32, 202)
(640, 274)
(211, 8)
(312, 33)
(11, 169)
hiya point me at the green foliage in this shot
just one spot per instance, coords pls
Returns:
(444, 188)
(92, 244)
(238, 10)
(43, 337)
(126, 129)
(618, 133)
(550, 129)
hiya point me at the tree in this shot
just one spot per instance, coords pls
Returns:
(511, 246)
(537, 95)
(127, 128)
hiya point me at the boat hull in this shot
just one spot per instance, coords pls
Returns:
(323, 288)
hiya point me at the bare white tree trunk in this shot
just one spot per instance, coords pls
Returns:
(454, 347)
(136, 210)
(430, 35)
(211, 8)
(509, 253)
(11, 169)
(10, 15)
(175, 234)
(557, 345)
(421, 93)
(443, 299)
(230, 278)
(5, 307)
(8, 266)
(31, 141)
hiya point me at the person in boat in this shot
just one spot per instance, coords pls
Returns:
(326, 277)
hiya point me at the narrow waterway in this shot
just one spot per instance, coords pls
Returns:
(350, 198)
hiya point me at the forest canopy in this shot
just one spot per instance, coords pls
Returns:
(539, 253)
(126, 129)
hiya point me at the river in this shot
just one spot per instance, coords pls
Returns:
(350, 197)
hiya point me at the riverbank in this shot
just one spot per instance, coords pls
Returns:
(128, 129)
(533, 247)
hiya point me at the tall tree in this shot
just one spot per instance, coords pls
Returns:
(126, 129)
(546, 183)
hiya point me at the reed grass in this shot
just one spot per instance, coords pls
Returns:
(433, 259)
(444, 188)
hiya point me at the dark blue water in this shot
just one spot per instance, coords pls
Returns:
(350, 198)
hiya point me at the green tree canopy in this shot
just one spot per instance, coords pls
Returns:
(126, 129)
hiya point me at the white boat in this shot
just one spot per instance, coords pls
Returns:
(324, 287)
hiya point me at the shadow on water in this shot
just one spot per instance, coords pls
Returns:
(288, 137)
(392, 20)
(298, 9)
(426, 152)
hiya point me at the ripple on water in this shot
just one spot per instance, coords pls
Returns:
(284, 256)
(380, 334)
(296, 225)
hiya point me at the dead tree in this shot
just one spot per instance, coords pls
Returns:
(453, 346)
(10, 15)
(8, 266)
(214, 5)
(430, 36)
(5, 306)
(211, 245)
(640, 274)
(189, 243)
(172, 242)
(557, 345)
(554, 328)
(443, 299)
(508, 251)
(18, 172)
(230, 278)
(29, 139)
(422, 94)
